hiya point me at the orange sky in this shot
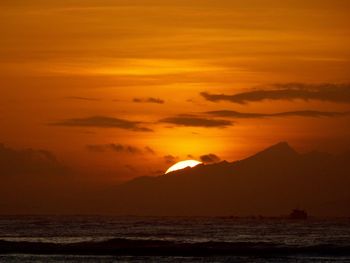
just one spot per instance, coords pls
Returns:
(96, 82)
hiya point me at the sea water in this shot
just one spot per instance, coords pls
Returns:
(231, 239)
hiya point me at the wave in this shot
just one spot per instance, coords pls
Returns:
(120, 246)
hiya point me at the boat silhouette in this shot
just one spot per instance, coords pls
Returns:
(298, 214)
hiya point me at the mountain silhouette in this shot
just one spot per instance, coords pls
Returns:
(280, 150)
(269, 183)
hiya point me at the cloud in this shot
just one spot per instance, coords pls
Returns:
(310, 113)
(131, 168)
(339, 93)
(82, 98)
(29, 162)
(210, 158)
(195, 121)
(235, 114)
(102, 122)
(304, 113)
(170, 159)
(149, 100)
(119, 148)
(150, 150)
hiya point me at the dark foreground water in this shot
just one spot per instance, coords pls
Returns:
(169, 239)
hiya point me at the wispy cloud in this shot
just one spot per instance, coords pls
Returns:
(149, 100)
(303, 113)
(196, 121)
(339, 93)
(150, 150)
(82, 98)
(170, 159)
(103, 122)
(119, 148)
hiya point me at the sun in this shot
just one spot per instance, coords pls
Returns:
(182, 165)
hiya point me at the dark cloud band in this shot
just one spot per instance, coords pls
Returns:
(195, 121)
(339, 93)
(103, 122)
(149, 100)
(304, 113)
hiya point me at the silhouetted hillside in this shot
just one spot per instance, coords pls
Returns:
(271, 182)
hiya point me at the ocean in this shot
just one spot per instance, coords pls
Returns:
(172, 239)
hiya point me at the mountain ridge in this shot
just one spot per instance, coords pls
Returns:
(270, 183)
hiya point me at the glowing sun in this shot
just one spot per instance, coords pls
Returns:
(182, 165)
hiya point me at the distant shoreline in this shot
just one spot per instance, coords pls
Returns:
(252, 217)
